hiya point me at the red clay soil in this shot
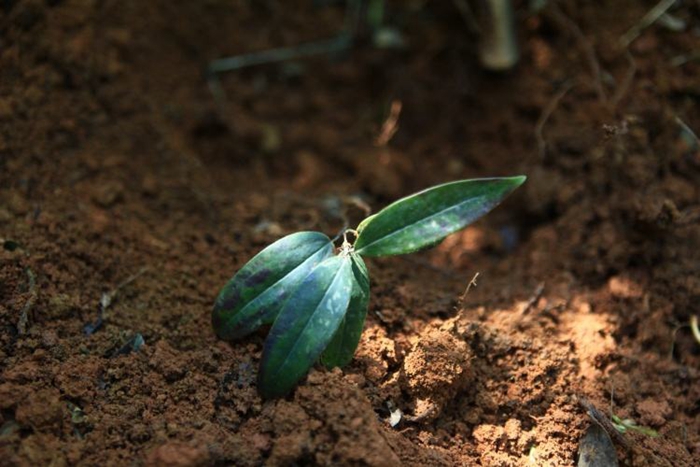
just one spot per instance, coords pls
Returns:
(120, 174)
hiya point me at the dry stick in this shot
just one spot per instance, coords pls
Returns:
(390, 126)
(337, 44)
(33, 294)
(694, 327)
(498, 46)
(604, 422)
(546, 113)
(107, 298)
(534, 298)
(585, 45)
(684, 126)
(469, 286)
(647, 20)
(359, 203)
(680, 60)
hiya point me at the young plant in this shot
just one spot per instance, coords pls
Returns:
(624, 425)
(316, 298)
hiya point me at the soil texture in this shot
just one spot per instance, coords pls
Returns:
(130, 193)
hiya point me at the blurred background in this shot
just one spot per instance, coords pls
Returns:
(149, 148)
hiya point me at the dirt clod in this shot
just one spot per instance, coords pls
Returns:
(115, 156)
(435, 369)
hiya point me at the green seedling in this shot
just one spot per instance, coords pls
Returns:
(624, 425)
(316, 297)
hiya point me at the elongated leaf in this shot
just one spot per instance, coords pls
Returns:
(258, 291)
(342, 348)
(425, 218)
(305, 326)
(364, 223)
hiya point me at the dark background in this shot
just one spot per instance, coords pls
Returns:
(120, 173)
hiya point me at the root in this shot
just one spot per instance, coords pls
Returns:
(567, 23)
(546, 113)
(646, 21)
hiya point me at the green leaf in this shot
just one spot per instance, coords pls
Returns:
(342, 348)
(425, 218)
(256, 294)
(364, 223)
(305, 326)
(628, 424)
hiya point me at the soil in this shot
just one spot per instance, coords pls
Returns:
(122, 177)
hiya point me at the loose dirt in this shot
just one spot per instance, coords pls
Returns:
(117, 161)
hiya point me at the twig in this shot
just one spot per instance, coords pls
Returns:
(684, 126)
(347, 201)
(108, 297)
(359, 203)
(337, 44)
(599, 417)
(498, 45)
(106, 300)
(647, 20)
(533, 298)
(546, 113)
(680, 60)
(469, 286)
(390, 126)
(33, 294)
(694, 327)
(585, 45)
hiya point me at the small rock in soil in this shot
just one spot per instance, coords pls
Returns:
(108, 194)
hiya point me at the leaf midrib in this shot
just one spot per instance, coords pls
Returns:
(267, 289)
(401, 229)
(306, 325)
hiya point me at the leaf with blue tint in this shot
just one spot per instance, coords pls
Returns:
(425, 218)
(256, 294)
(342, 348)
(305, 325)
